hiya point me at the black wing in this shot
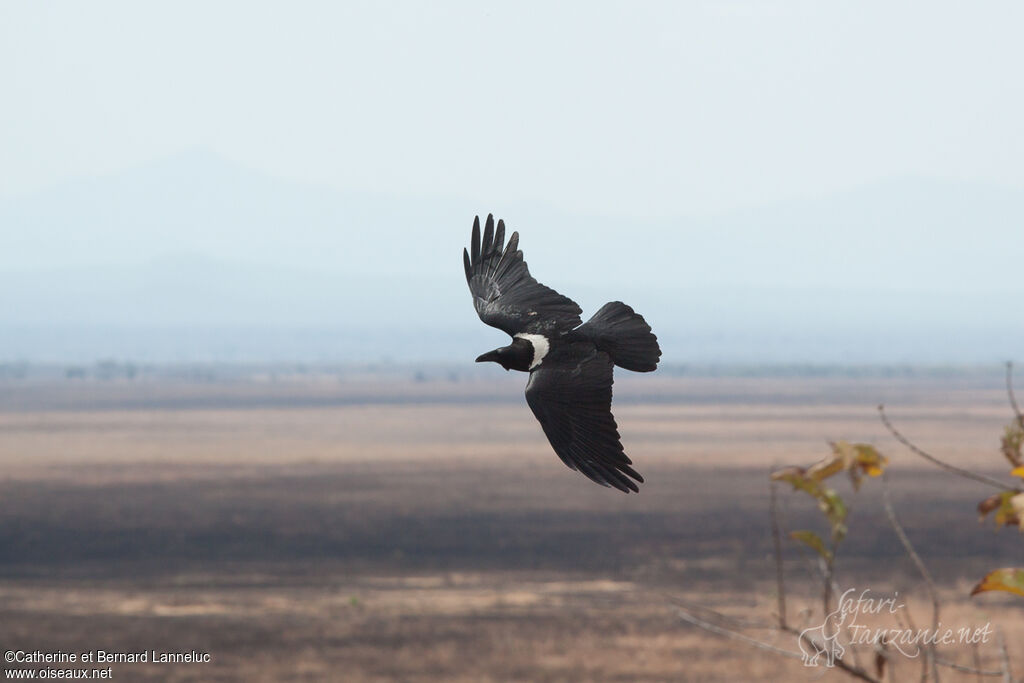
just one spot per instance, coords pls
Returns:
(504, 294)
(574, 406)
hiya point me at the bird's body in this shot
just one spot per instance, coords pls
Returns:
(570, 362)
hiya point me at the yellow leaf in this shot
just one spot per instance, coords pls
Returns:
(1017, 504)
(788, 473)
(1017, 472)
(847, 455)
(797, 476)
(1008, 511)
(870, 460)
(1010, 580)
(823, 469)
(856, 459)
(847, 452)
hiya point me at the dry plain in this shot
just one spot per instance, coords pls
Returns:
(362, 526)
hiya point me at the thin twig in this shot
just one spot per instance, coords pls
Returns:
(733, 635)
(856, 672)
(811, 562)
(1007, 673)
(976, 670)
(828, 571)
(881, 649)
(722, 619)
(967, 474)
(780, 584)
(919, 563)
(1009, 392)
(913, 627)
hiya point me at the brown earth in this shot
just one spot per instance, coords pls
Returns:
(322, 528)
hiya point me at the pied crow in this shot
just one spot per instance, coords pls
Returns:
(570, 362)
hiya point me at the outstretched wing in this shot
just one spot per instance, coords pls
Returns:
(504, 294)
(574, 406)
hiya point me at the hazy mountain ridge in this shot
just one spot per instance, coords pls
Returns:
(903, 271)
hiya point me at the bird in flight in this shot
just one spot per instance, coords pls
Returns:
(570, 362)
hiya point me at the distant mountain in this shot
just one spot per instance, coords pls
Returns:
(907, 234)
(910, 270)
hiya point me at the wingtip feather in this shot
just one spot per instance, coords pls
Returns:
(475, 242)
(513, 243)
(499, 237)
(488, 241)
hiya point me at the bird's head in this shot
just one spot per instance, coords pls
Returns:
(499, 356)
(515, 356)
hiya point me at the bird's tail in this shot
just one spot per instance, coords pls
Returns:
(624, 335)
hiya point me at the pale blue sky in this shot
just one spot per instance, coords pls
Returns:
(784, 180)
(638, 109)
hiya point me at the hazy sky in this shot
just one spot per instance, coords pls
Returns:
(620, 109)
(831, 180)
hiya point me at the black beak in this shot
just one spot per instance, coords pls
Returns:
(489, 356)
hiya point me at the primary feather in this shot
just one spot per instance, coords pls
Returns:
(505, 295)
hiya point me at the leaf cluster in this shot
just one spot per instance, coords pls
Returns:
(857, 460)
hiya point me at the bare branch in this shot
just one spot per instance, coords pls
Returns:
(854, 671)
(734, 635)
(913, 627)
(976, 670)
(925, 574)
(967, 474)
(828, 582)
(810, 562)
(881, 649)
(724, 620)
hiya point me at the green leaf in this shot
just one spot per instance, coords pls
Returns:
(813, 540)
(1010, 580)
(835, 511)
(829, 502)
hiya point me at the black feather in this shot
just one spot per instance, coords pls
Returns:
(485, 247)
(571, 395)
(475, 241)
(504, 293)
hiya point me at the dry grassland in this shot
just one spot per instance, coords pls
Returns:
(311, 528)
